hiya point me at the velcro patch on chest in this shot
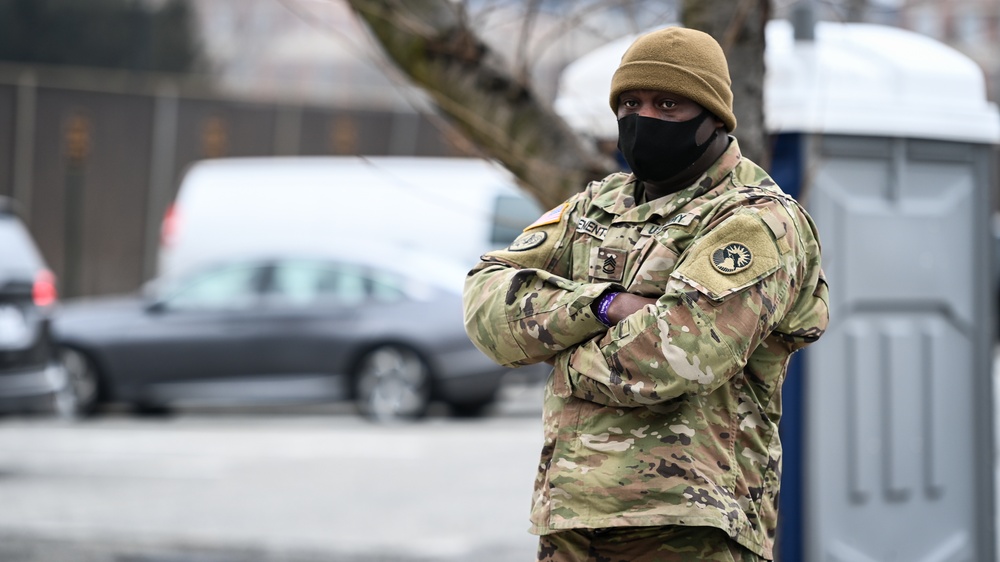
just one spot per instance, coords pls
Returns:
(592, 227)
(681, 220)
(732, 256)
(607, 264)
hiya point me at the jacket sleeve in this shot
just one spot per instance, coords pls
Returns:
(520, 305)
(712, 316)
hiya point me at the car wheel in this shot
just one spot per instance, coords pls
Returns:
(392, 383)
(78, 397)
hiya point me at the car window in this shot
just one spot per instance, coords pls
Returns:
(307, 283)
(511, 214)
(386, 287)
(231, 288)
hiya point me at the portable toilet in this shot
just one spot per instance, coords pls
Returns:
(887, 138)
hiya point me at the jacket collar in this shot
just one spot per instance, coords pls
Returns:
(626, 205)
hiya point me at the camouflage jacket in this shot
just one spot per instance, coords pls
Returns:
(671, 416)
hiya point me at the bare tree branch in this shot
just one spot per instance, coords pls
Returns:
(391, 73)
(430, 42)
(736, 25)
(493, 102)
(527, 24)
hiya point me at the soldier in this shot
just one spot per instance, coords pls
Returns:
(668, 301)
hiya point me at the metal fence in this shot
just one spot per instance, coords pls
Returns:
(94, 157)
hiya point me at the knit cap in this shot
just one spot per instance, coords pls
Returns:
(681, 61)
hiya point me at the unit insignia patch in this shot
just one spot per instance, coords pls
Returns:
(731, 258)
(527, 241)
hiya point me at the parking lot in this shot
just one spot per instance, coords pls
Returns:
(305, 484)
(309, 484)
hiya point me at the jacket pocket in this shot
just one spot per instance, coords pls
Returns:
(656, 264)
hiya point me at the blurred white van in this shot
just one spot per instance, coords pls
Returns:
(374, 209)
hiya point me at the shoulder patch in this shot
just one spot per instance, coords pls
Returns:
(551, 216)
(531, 249)
(527, 241)
(732, 256)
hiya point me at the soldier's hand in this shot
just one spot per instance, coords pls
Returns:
(626, 304)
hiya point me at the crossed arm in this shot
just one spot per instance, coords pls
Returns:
(656, 349)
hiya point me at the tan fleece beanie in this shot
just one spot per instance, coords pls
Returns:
(682, 61)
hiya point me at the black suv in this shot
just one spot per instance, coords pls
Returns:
(31, 378)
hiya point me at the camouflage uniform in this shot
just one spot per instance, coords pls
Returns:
(671, 416)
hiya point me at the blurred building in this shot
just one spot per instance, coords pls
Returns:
(296, 50)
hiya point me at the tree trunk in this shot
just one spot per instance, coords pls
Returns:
(738, 25)
(431, 42)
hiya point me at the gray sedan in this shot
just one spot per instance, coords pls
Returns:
(271, 331)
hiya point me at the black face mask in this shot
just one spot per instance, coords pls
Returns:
(657, 150)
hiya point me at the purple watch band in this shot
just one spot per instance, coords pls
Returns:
(602, 308)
